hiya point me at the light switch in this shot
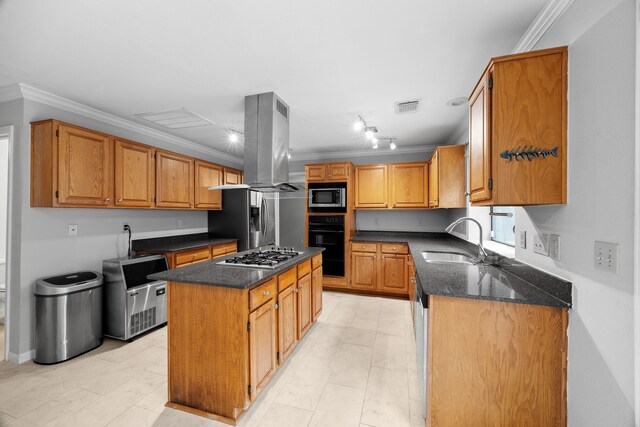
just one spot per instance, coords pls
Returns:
(554, 246)
(606, 257)
(523, 239)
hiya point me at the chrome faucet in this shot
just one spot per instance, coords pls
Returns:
(481, 252)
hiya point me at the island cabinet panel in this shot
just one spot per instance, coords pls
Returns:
(316, 292)
(287, 321)
(263, 346)
(412, 288)
(371, 187)
(207, 175)
(305, 316)
(134, 174)
(409, 185)
(514, 375)
(208, 350)
(174, 183)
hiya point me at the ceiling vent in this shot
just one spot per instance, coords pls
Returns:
(176, 119)
(405, 107)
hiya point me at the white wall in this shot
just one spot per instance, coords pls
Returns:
(600, 207)
(40, 245)
(4, 175)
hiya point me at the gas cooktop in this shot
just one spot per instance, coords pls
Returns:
(262, 258)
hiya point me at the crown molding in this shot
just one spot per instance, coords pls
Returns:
(355, 153)
(545, 19)
(21, 90)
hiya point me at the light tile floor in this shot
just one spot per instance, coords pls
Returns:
(355, 367)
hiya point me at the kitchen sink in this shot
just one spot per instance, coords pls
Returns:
(447, 258)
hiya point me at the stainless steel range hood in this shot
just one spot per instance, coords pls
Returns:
(266, 144)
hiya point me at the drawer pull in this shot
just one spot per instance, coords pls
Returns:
(266, 293)
(295, 290)
(275, 306)
(301, 286)
(394, 248)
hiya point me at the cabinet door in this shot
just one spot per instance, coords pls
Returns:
(480, 141)
(174, 180)
(135, 174)
(304, 305)
(338, 171)
(84, 168)
(316, 292)
(207, 175)
(434, 181)
(232, 176)
(316, 172)
(287, 322)
(409, 185)
(411, 283)
(363, 270)
(393, 277)
(262, 346)
(371, 187)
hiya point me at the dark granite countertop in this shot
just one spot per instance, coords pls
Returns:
(178, 243)
(504, 280)
(213, 274)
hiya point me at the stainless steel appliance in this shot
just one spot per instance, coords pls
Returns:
(328, 197)
(328, 232)
(68, 316)
(262, 259)
(133, 304)
(266, 144)
(248, 216)
(421, 323)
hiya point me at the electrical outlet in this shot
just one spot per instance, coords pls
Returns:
(541, 244)
(523, 239)
(606, 257)
(125, 227)
(180, 223)
(554, 246)
(376, 221)
(419, 221)
(73, 229)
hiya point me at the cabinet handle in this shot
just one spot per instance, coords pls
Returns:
(295, 290)
(301, 286)
(266, 293)
(275, 306)
(362, 247)
(119, 200)
(394, 248)
(107, 199)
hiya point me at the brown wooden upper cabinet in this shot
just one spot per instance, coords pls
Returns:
(207, 175)
(134, 174)
(518, 130)
(447, 177)
(409, 185)
(174, 183)
(371, 186)
(70, 166)
(328, 172)
(233, 176)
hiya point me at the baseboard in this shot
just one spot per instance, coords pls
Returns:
(22, 357)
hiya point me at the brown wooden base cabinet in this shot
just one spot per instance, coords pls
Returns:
(380, 268)
(193, 256)
(494, 363)
(225, 343)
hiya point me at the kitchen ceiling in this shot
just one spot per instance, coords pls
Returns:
(330, 61)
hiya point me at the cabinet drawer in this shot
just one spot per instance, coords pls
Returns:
(185, 257)
(262, 294)
(316, 261)
(363, 247)
(231, 247)
(304, 268)
(218, 250)
(286, 279)
(395, 248)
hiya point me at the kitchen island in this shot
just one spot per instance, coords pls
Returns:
(231, 327)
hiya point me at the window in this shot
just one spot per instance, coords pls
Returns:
(503, 225)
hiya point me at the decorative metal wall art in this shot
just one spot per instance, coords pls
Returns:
(529, 152)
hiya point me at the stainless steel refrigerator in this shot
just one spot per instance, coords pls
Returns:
(247, 215)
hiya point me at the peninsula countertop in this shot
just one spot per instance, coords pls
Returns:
(506, 280)
(212, 273)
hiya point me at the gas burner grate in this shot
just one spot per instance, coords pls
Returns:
(262, 258)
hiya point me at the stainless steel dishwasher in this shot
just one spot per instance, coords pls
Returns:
(421, 322)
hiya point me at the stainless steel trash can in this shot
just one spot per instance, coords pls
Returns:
(68, 316)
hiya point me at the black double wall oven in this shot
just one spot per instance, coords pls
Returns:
(327, 231)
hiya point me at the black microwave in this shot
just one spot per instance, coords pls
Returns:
(327, 197)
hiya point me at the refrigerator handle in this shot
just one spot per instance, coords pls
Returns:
(263, 217)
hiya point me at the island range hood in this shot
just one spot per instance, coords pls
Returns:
(266, 145)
